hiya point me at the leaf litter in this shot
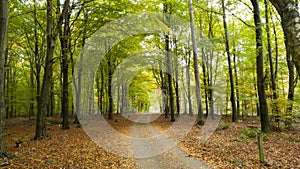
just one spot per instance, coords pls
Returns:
(72, 148)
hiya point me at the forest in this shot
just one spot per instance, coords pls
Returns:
(149, 84)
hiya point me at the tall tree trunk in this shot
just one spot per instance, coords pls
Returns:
(169, 71)
(290, 21)
(276, 47)
(118, 95)
(3, 37)
(170, 79)
(176, 80)
(232, 95)
(51, 106)
(98, 88)
(109, 88)
(204, 69)
(41, 131)
(32, 96)
(273, 80)
(196, 69)
(64, 39)
(265, 126)
(291, 89)
(79, 73)
(102, 92)
(235, 62)
(188, 76)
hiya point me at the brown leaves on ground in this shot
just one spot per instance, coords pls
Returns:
(227, 149)
(64, 149)
(74, 149)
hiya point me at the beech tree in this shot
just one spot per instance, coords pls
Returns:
(290, 22)
(196, 69)
(3, 35)
(260, 70)
(52, 33)
(232, 95)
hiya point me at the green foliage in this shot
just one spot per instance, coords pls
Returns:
(223, 125)
(248, 134)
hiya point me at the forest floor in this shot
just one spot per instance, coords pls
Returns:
(232, 145)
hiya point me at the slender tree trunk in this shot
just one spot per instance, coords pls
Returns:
(260, 70)
(79, 73)
(196, 69)
(31, 105)
(273, 80)
(276, 47)
(188, 76)
(102, 92)
(291, 89)
(184, 92)
(232, 95)
(98, 88)
(118, 95)
(205, 79)
(176, 79)
(3, 38)
(236, 81)
(109, 87)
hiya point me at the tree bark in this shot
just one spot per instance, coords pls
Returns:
(232, 95)
(64, 39)
(176, 80)
(235, 62)
(169, 78)
(290, 22)
(196, 69)
(273, 80)
(109, 87)
(41, 131)
(169, 71)
(188, 76)
(265, 126)
(291, 89)
(3, 38)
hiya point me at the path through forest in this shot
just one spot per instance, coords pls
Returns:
(149, 143)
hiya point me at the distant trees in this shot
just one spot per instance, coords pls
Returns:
(39, 69)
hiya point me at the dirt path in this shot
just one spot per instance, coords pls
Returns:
(153, 150)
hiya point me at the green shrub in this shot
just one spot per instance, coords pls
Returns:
(223, 125)
(246, 133)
